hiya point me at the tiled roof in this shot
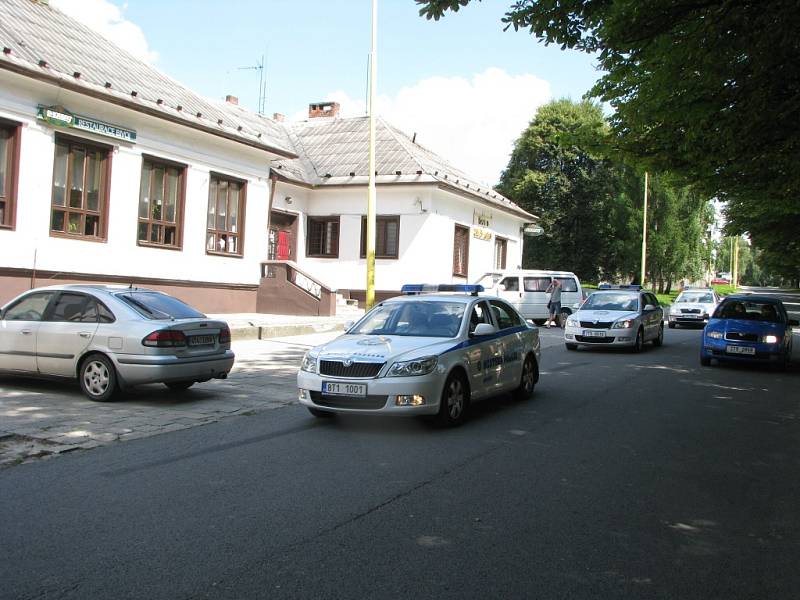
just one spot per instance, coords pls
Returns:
(335, 151)
(41, 42)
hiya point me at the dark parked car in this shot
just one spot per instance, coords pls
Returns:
(749, 328)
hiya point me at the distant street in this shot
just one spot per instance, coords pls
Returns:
(625, 476)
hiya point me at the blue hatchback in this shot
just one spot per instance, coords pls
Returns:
(749, 328)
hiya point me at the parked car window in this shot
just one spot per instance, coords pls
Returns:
(29, 308)
(73, 308)
(511, 284)
(506, 317)
(105, 315)
(535, 284)
(568, 284)
(155, 305)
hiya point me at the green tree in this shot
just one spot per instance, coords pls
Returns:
(557, 171)
(678, 233)
(707, 90)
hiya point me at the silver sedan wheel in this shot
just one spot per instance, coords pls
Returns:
(96, 378)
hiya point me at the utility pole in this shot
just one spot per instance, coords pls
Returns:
(644, 231)
(735, 273)
(371, 200)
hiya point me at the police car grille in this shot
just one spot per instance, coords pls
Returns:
(363, 402)
(594, 340)
(336, 368)
(690, 311)
(598, 325)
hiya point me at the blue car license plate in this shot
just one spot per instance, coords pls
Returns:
(746, 350)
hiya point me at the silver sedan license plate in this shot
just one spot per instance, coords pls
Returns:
(593, 333)
(201, 340)
(333, 388)
(748, 350)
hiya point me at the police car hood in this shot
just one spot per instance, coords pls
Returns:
(605, 315)
(382, 348)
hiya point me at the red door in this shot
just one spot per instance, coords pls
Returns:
(284, 245)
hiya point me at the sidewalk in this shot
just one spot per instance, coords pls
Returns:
(258, 326)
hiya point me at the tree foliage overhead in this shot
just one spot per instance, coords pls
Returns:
(591, 204)
(706, 89)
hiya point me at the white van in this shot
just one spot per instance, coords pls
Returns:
(525, 290)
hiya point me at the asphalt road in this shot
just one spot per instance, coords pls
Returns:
(625, 476)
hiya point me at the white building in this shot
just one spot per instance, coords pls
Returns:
(112, 172)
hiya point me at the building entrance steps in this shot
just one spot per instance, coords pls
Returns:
(258, 326)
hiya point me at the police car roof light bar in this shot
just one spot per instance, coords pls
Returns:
(430, 288)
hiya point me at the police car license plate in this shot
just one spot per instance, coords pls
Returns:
(593, 333)
(333, 388)
(201, 340)
(749, 350)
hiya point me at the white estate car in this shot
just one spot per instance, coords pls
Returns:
(693, 307)
(423, 354)
(622, 316)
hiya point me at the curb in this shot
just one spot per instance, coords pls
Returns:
(272, 331)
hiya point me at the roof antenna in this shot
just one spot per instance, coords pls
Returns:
(414, 138)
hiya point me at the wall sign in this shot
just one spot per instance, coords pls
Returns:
(482, 234)
(482, 219)
(60, 117)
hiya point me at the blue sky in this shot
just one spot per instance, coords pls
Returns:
(466, 86)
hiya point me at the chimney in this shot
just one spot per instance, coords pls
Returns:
(278, 117)
(231, 99)
(323, 109)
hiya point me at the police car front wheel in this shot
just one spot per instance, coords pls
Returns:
(527, 380)
(453, 405)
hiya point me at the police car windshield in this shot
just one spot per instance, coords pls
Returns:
(695, 297)
(418, 318)
(612, 301)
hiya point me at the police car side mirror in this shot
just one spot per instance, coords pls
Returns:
(501, 287)
(649, 307)
(484, 329)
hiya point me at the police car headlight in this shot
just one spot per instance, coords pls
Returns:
(309, 364)
(410, 368)
(771, 339)
(714, 335)
(572, 322)
(624, 324)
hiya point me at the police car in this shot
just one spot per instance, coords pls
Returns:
(616, 316)
(431, 351)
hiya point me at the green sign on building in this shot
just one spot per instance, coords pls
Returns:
(57, 115)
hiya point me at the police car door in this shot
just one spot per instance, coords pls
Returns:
(511, 343)
(483, 354)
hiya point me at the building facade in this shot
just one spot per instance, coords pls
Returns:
(110, 172)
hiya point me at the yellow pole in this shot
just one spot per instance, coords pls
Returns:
(644, 232)
(371, 200)
(730, 265)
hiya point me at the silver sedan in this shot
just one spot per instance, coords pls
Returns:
(111, 338)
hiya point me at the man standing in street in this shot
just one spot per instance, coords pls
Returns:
(554, 289)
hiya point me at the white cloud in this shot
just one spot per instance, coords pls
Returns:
(472, 123)
(107, 20)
